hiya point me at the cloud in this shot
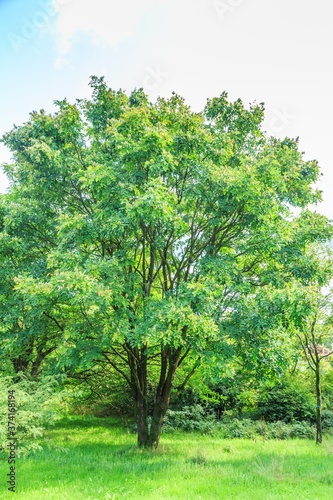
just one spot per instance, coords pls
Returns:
(107, 22)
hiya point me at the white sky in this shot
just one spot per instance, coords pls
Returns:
(275, 51)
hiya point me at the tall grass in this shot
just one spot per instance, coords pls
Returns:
(94, 458)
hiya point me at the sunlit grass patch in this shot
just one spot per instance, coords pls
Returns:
(89, 458)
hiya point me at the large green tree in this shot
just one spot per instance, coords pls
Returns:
(140, 226)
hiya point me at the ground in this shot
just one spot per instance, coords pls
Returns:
(96, 459)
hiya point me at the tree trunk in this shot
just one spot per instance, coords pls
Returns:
(141, 395)
(169, 363)
(170, 360)
(319, 434)
(142, 420)
(137, 360)
(160, 408)
(149, 437)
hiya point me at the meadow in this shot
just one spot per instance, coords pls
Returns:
(97, 458)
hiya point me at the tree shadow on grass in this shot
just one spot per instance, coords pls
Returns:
(76, 422)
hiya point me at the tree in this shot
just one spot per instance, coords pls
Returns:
(307, 314)
(312, 335)
(28, 335)
(152, 223)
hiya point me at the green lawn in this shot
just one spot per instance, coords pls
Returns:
(98, 459)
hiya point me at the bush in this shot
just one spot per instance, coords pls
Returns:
(236, 428)
(190, 418)
(327, 419)
(302, 430)
(38, 404)
(188, 397)
(268, 430)
(287, 401)
(194, 418)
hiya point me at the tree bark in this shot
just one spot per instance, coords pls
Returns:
(139, 380)
(142, 421)
(160, 408)
(148, 437)
(319, 433)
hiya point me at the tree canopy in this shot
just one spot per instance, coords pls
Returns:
(139, 235)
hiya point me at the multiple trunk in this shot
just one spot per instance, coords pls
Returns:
(149, 435)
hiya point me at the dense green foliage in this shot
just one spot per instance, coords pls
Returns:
(38, 404)
(196, 419)
(286, 402)
(145, 239)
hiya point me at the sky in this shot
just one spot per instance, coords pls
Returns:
(274, 51)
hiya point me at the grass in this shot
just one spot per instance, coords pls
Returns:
(90, 458)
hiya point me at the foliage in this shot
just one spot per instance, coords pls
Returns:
(287, 401)
(251, 429)
(38, 404)
(190, 418)
(327, 386)
(195, 418)
(147, 237)
(327, 417)
(99, 392)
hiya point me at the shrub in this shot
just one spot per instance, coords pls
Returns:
(188, 397)
(195, 418)
(302, 430)
(278, 430)
(190, 418)
(327, 419)
(268, 430)
(38, 404)
(287, 401)
(105, 393)
(236, 428)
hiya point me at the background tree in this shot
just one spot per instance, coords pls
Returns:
(153, 223)
(316, 336)
(28, 333)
